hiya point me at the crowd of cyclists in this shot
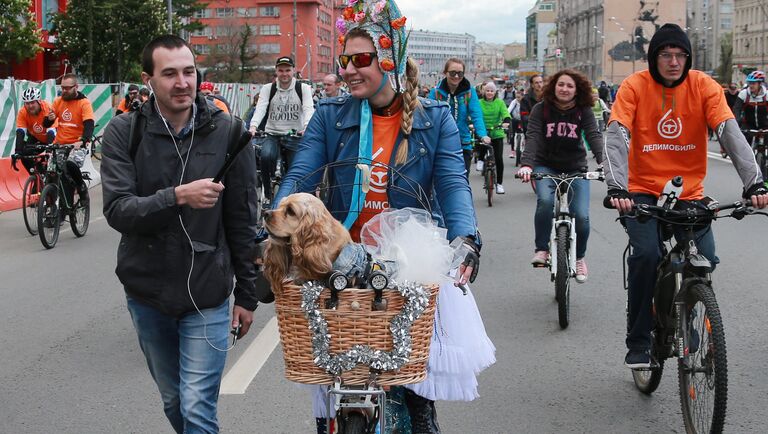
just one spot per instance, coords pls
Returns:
(562, 117)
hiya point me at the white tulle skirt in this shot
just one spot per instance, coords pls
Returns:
(459, 351)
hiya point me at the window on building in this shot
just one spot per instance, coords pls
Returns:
(205, 13)
(324, 18)
(224, 31)
(269, 48)
(202, 48)
(269, 11)
(253, 12)
(269, 29)
(324, 51)
(725, 23)
(546, 7)
(224, 47)
(203, 32)
(225, 12)
(726, 8)
(48, 7)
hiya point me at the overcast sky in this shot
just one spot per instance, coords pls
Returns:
(499, 21)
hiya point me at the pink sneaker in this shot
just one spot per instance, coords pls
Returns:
(581, 270)
(541, 257)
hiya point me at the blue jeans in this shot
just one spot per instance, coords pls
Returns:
(642, 266)
(545, 202)
(185, 367)
(271, 148)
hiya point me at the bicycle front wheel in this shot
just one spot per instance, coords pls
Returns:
(518, 149)
(48, 218)
(29, 201)
(761, 163)
(647, 380)
(80, 217)
(703, 374)
(562, 278)
(490, 184)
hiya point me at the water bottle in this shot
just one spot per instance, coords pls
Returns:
(672, 191)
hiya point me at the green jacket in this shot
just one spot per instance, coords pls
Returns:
(494, 113)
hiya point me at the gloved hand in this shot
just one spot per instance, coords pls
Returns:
(758, 194)
(619, 199)
(471, 264)
(524, 173)
(14, 157)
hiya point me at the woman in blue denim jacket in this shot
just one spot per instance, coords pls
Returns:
(464, 105)
(383, 124)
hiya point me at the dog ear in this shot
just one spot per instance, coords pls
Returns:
(310, 244)
(277, 262)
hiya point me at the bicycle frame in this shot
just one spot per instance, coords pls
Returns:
(562, 217)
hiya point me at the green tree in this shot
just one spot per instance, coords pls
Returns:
(233, 58)
(19, 36)
(104, 38)
(726, 58)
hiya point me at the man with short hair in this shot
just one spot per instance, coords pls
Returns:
(131, 101)
(285, 106)
(536, 85)
(658, 130)
(35, 124)
(185, 239)
(332, 86)
(76, 124)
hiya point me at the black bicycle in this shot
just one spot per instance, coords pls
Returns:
(268, 192)
(95, 147)
(33, 185)
(687, 320)
(760, 148)
(59, 199)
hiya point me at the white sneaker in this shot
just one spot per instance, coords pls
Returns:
(499, 189)
(479, 166)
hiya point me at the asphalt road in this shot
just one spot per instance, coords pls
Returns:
(70, 361)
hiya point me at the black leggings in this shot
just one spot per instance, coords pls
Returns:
(498, 148)
(467, 160)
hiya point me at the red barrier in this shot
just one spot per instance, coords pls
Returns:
(11, 185)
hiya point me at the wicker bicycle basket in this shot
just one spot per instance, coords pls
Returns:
(352, 323)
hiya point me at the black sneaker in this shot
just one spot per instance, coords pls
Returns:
(637, 359)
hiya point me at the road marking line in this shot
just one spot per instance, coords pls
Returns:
(69, 227)
(239, 377)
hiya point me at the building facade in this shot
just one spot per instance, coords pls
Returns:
(608, 39)
(432, 49)
(46, 64)
(515, 50)
(309, 37)
(539, 23)
(489, 57)
(750, 37)
(721, 21)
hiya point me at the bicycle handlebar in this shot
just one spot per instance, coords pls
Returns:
(691, 215)
(590, 176)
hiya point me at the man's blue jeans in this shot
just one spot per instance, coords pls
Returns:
(545, 202)
(183, 363)
(271, 148)
(642, 266)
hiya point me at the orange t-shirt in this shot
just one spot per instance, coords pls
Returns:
(385, 131)
(71, 115)
(220, 104)
(668, 128)
(34, 124)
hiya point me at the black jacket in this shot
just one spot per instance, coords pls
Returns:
(526, 106)
(154, 256)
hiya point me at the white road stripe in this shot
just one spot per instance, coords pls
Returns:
(239, 377)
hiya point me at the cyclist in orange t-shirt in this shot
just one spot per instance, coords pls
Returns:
(658, 130)
(35, 124)
(76, 123)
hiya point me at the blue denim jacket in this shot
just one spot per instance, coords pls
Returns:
(434, 163)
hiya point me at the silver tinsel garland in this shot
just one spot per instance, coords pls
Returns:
(417, 300)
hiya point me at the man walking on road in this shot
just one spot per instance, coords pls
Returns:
(284, 106)
(658, 130)
(184, 237)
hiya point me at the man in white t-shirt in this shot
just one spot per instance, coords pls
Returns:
(284, 107)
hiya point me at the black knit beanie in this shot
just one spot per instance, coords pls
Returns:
(668, 34)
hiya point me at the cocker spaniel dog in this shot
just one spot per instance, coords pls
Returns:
(304, 240)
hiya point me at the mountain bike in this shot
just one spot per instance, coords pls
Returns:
(32, 186)
(760, 149)
(489, 171)
(95, 147)
(562, 241)
(687, 320)
(59, 198)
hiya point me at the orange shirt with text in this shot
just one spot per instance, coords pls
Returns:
(385, 131)
(668, 128)
(71, 115)
(34, 124)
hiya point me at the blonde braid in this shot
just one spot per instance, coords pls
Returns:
(410, 104)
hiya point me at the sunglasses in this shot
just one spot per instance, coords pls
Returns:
(455, 74)
(360, 60)
(68, 87)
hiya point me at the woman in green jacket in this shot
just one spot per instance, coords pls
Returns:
(494, 113)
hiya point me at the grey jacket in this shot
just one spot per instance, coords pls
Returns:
(154, 257)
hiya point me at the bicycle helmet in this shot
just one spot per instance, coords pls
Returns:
(756, 77)
(30, 95)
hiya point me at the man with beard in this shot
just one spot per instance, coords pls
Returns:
(35, 124)
(76, 123)
(131, 101)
